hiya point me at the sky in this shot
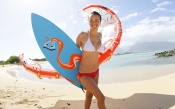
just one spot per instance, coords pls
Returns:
(142, 21)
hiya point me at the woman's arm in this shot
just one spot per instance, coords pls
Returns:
(78, 40)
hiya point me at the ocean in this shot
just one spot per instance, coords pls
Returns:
(119, 69)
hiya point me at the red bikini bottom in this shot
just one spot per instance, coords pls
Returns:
(92, 74)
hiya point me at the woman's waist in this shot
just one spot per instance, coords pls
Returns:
(87, 63)
(88, 67)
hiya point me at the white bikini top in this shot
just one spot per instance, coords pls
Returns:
(88, 46)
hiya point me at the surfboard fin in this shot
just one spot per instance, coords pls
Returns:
(82, 88)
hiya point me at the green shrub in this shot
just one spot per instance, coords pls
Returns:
(12, 60)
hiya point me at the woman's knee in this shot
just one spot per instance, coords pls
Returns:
(101, 99)
(89, 96)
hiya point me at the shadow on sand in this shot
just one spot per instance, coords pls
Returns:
(136, 101)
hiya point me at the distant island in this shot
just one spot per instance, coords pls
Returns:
(168, 53)
(116, 54)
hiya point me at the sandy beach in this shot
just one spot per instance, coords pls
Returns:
(155, 93)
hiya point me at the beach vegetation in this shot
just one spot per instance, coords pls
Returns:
(2, 62)
(42, 59)
(12, 60)
(169, 53)
(15, 60)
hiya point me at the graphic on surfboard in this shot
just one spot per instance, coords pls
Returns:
(62, 52)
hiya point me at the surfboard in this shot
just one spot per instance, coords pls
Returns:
(59, 49)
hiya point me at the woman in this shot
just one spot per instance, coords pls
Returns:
(88, 75)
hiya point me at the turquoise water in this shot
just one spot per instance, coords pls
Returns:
(109, 70)
(128, 60)
(136, 59)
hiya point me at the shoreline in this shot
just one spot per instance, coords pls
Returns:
(146, 94)
(119, 74)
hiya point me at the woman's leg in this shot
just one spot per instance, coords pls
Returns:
(88, 100)
(92, 87)
(89, 96)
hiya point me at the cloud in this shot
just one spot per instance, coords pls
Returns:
(154, 1)
(62, 25)
(159, 9)
(129, 16)
(165, 3)
(150, 30)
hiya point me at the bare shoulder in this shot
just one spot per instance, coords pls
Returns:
(80, 39)
(82, 34)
